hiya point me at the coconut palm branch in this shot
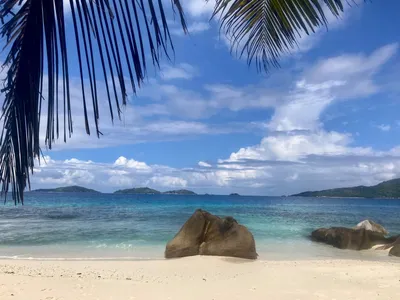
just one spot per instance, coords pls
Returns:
(264, 30)
(112, 37)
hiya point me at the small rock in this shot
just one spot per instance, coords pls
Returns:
(128, 278)
(78, 273)
(204, 279)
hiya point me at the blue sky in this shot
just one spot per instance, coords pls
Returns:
(207, 122)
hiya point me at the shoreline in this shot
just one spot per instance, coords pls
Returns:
(301, 249)
(199, 277)
(304, 251)
(370, 255)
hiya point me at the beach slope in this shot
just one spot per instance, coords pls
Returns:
(198, 278)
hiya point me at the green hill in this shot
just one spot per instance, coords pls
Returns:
(67, 189)
(141, 190)
(386, 189)
(180, 192)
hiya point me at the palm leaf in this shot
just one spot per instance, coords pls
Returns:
(264, 30)
(111, 36)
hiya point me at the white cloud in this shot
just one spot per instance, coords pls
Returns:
(204, 164)
(168, 182)
(67, 177)
(198, 8)
(75, 160)
(181, 71)
(296, 146)
(332, 79)
(302, 107)
(198, 27)
(119, 181)
(193, 28)
(132, 164)
(178, 127)
(202, 103)
(350, 66)
(384, 127)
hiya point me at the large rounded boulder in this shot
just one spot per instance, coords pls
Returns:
(371, 226)
(207, 234)
(348, 238)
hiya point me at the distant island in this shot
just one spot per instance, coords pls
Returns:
(140, 190)
(137, 191)
(180, 192)
(386, 189)
(234, 194)
(67, 189)
(149, 191)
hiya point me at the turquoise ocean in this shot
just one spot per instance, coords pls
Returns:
(132, 227)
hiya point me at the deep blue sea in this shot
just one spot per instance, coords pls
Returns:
(108, 226)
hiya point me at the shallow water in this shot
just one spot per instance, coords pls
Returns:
(107, 226)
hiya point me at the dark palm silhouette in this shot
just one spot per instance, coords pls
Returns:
(112, 40)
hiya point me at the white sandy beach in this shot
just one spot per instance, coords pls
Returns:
(204, 278)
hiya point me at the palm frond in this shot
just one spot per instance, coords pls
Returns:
(112, 37)
(264, 30)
